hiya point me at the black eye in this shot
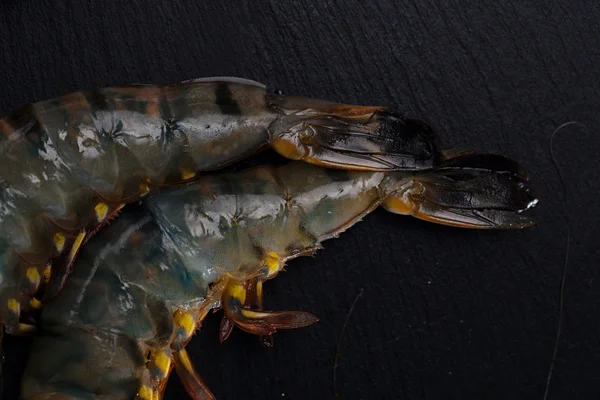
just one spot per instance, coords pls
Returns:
(278, 92)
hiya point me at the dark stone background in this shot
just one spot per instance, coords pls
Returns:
(446, 313)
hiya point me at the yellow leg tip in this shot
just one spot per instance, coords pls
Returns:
(77, 244)
(147, 393)
(238, 292)
(187, 174)
(184, 360)
(59, 241)
(162, 362)
(47, 273)
(14, 306)
(259, 290)
(273, 263)
(144, 189)
(33, 276)
(185, 321)
(24, 329)
(35, 304)
(101, 211)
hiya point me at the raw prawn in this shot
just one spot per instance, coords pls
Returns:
(143, 285)
(69, 164)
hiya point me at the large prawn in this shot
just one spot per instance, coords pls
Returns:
(143, 285)
(67, 165)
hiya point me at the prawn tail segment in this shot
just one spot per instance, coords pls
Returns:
(478, 191)
(351, 137)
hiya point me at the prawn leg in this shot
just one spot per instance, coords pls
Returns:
(192, 382)
(254, 300)
(255, 320)
(15, 304)
(20, 329)
(242, 303)
(161, 362)
(160, 365)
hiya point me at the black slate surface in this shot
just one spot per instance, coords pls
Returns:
(445, 313)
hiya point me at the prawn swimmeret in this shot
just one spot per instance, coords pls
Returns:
(142, 286)
(67, 165)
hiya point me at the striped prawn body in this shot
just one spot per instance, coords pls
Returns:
(69, 164)
(143, 285)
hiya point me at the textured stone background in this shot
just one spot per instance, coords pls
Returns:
(446, 313)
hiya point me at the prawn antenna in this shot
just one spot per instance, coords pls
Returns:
(561, 301)
(337, 347)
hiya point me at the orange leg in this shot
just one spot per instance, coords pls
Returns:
(254, 301)
(192, 382)
(246, 312)
(186, 324)
(161, 362)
